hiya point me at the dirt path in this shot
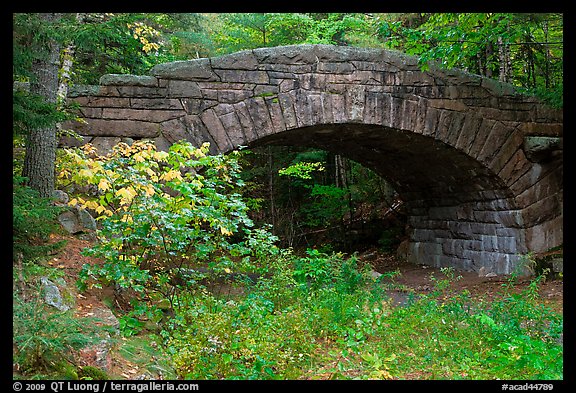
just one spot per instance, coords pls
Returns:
(412, 278)
(417, 278)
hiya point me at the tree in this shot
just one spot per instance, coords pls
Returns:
(523, 49)
(87, 41)
(41, 142)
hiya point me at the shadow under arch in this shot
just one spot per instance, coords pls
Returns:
(461, 214)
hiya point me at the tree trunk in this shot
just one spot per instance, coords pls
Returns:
(67, 61)
(503, 55)
(480, 64)
(489, 52)
(547, 56)
(271, 186)
(40, 153)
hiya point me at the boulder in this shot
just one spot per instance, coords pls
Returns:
(77, 220)
(52, 295)
(60, 198)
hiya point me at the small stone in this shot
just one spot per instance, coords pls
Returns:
(482, 272)
(491, 274)
(60, 198)
(52, 295)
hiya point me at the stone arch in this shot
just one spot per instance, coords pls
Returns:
(478, 165)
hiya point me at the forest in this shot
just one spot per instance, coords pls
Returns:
(261, 263)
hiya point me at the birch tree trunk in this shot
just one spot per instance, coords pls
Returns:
(67, 63)
(505, 61)
(40, 154)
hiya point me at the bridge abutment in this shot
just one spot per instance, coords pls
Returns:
(468, 236)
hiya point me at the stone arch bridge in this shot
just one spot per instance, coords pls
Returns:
(479, 166)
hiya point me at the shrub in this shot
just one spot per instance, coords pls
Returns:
(163, 214)
(244, 339)
(43, 337)
(33, 220)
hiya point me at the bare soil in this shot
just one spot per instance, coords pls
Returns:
(415, 279)
(418, 279)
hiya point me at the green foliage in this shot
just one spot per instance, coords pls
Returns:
(314, 268)
(301, 170)
(329, 203)
(33, 220)
(92, 373)
(245, 339)
(43, 337)
(31, 111)
(523, 49)
(271, 332)
(344, 320)
(514, 337)
(254, 30)
(162, 214)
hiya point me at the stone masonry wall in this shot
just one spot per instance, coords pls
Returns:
(479, 165)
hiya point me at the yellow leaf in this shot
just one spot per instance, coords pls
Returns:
(225, 231)
(127, 195)
(172, 174)
(138, 157)
(104, 185)
(64, 174)
(149, 190)
(160, 155)
(100, 209)
(85, 173)
(91, 204)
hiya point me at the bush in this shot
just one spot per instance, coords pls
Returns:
(44, 338)
(33, 220)
(244, 339)
(164, 214)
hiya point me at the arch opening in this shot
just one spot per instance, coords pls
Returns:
(459, 214)
(316, 198)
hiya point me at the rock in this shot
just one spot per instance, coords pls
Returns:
(198, 69)
(558, 265)
(77, 220)
(402, 251)
(482, 271)
(86, 220)
(107, 318)
(128, 80)
(375, 275)
(60, 198)
(98, 355)
(540, 148)
(103, 358)
(52, 295)
(368, 256)
(104, 145)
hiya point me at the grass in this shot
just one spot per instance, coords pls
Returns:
(330, 329)
(325, 317)
(140, 354)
